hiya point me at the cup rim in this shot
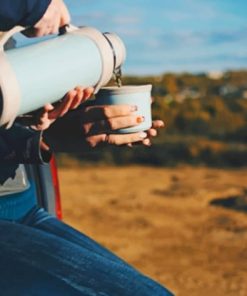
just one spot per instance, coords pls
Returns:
(125, 89)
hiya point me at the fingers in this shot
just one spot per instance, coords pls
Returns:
(43, 113)
(111, 124)
(44, 146)
(62, 108)
(81, 96)
(125, 138)
(96, 113)
(152, 132)
(147, 142)
(71, 101)
(96, 135)
(158, 124)
(65, 16)
(42, 121)
(56, 16)
(55, 27)
(118, 140)
(78, 98)
(88, 92)
(48, 108)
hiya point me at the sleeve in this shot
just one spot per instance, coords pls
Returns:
(65, 134)
(21, 12)
(20, 144)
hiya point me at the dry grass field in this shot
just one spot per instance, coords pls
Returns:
(185, 227)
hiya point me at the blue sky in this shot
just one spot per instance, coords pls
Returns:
(172, 35)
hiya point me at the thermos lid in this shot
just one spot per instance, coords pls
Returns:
(118, 48)
(112, 50)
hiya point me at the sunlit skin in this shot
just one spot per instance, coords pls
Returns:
(56, 16)
(49, 113)
(97, 122)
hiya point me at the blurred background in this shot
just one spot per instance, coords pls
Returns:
(176, 210)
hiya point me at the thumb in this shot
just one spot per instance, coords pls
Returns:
(65, 16)
(48, 108)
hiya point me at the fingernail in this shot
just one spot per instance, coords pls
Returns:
(142, 135)
(133, 108)
(140, 119)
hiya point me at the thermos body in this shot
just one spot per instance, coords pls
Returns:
(47, 71)
(42, 73)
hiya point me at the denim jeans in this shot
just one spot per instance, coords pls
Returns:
(40, 255)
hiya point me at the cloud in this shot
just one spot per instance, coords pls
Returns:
(189, 38)
(126, 20)
(185, 10)
(165, 35)
(226, 36)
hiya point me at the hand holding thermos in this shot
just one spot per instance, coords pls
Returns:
(55, 17)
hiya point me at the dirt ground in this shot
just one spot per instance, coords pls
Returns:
(185, 227)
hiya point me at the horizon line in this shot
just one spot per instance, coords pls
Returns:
(185, 72)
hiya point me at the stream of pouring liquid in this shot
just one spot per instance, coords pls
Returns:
(118, 76)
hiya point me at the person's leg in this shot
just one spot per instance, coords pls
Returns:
(35, 262)
(30, 264)
(40, 219)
